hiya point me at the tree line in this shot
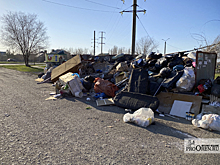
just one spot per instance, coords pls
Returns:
(24, 33)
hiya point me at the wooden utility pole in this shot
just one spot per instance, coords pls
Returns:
(134, 23)
(134, 27)
(94, 42)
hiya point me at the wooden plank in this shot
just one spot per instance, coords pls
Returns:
(71, 65)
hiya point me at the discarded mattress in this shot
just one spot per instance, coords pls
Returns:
(134, 101)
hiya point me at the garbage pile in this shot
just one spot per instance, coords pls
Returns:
(136, 83)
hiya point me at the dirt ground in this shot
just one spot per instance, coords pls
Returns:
(75, 131)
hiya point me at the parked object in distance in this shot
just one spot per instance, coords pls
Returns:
(10, 59)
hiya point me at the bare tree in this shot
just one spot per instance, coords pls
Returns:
(86, 50)
(216, 46)
(78, 51)
(209, 47)
(145, 45)
(24, 33)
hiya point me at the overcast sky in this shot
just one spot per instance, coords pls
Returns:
(71, 23)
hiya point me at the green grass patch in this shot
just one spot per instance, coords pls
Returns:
(216, 75)
(11, 62)
(23, 68)
(42, 66)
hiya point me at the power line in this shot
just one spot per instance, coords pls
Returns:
(174, 47)
(145, 29)
(61, 4)
(150, 37)
(109, 22)
(102, 4)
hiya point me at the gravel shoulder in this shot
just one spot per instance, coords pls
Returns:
(64, 131)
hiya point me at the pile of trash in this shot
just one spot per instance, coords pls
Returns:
(133, 83)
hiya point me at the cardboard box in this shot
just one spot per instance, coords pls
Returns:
(210, 109)
(167, 100)
(71, 65)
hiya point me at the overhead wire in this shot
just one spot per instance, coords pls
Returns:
(61, 4)
(113, 27)
(174, 47)
(145, 29)
(102, 4)
(117, 24)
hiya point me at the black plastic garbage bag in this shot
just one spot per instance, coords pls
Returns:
(151, 62)
(165, 72)
(215, 90)
(88, 82)
(175, 61)
(171, 82)
(161, 62)
(134, 101)
(153, 55)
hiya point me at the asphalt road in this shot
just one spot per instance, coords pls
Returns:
(64, 131)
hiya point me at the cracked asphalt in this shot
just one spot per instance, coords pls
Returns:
(65, 131)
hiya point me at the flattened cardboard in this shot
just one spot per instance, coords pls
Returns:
(105, 102)
(51, 98)
(68, 66)
(167, 100)
(39, 80)
(210, 109)
(180, 108)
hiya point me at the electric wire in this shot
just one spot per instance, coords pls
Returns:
(145, 29)
(61, 4)
(102, 4)
(111, 19)
(174, 47)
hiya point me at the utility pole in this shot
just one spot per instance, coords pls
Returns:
(101, 40)
(165, 45)
(134, 27)
(94, 42)
(134, 23)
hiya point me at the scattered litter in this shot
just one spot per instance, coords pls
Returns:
(51, 98)
(53, 93)
(105, 102)
(39, 80)
(57, 95)
(142, 117)
(210, 121)
(7, 115)
(128, 110)
(142, 84)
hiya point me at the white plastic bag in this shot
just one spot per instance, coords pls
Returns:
(187, 81)
(210, 121)
(142, 117)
